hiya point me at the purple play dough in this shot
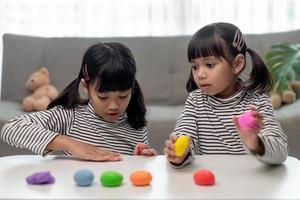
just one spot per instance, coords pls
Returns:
(40, 178)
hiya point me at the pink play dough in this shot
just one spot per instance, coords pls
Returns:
(246, 120)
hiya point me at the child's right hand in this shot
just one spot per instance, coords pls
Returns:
(82, 150)
(142, 149)
(90, 152)
(170, 152)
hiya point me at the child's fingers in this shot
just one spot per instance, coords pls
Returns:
(255, 113)
(153, 152)
(107, 158)
(143, 146)
(169, 144)
(252, 108)
(114, 158)
(144, 149)
(149, 152)
(258, 116)
(139, 147)
(136, 150)
(104, 152)
(235, 122)
(173, 137)
(260, 123)
(169, 152)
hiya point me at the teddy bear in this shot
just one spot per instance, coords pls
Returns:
(288, 96)
(42, 91)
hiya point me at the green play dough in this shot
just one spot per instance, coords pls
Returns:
(111, 179)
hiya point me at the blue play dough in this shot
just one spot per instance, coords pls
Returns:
(83, 177)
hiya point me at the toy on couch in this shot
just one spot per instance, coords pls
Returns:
(283, 61)
(42, 92)
(287, 96)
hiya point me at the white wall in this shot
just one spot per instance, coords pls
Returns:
(100, 18)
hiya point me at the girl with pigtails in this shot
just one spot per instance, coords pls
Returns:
(109, 122)
(217, 96)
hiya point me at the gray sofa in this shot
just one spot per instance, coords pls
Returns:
(162, 72)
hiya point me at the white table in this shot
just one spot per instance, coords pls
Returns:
(237, 177)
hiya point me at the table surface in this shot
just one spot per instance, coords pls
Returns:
(237, 177)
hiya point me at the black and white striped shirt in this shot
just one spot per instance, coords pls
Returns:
(36, 130)
(208, 121)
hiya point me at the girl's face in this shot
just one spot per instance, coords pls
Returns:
(215, 76)
(109, 105)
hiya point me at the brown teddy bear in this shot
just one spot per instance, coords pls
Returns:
(42, 92)
(288, 96)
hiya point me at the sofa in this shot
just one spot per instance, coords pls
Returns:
(162, 73)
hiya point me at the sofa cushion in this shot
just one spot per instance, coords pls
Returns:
(289, 114)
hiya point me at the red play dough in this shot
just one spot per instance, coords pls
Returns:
(204, 177)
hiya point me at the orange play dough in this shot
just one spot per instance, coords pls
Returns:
(140, 178)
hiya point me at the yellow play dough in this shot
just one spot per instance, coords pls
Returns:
(181, 144)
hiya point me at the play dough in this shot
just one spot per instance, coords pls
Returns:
(83, 177)
(246, 120)
(40, 178)
(111, 179)
(204, 177)
(181, 144)
(140, 178)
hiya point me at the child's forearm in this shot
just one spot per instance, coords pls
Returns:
(60, 142)
(276, 150)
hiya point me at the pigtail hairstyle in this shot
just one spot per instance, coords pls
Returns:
(69, 97)
(136, 110)
(260, 78)
(226, 40)
(112, 67)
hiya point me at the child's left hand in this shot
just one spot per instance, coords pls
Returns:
(250, 135)
(144, 150)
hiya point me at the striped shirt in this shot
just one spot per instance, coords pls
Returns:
(208, 121)
(36, 130)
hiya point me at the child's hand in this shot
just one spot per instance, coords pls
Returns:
(82, 150)
(143, 150)
(250, 135)
(90, 152)
(170, 151)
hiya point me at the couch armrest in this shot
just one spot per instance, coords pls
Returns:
(289, 118)
(8, 110)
